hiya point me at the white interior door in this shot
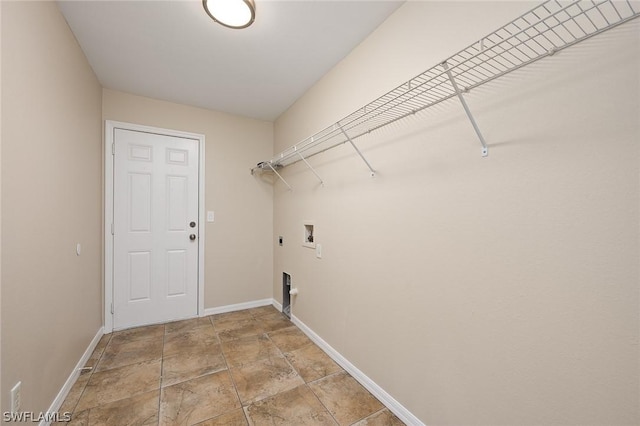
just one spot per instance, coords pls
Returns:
(155, 216)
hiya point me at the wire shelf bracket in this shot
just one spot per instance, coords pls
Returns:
(278, 174)
(541, 32)
(485, 148)
(373, 172)
(311, 168)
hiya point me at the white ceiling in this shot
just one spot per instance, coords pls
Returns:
(171, 50)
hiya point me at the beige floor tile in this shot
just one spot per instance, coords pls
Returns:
(140, 410)
(345, 398)
(75, 393)
(146, 332)
(263, 310)
(273, 322)
(232, 324)
(189, 365)
(232, 316)
(97, 352)
(203, 370)
(198, 399)
(186, 325)
(120, 383)
(188, 341)
(232, 418)
(295, 407)
(269, 313)
(312, 363)
(248, 349)
(77, 419)
(381, 418)
(264, 378)
(119, 353)
(248, 328)
(289, 339)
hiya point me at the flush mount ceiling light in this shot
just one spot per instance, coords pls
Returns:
(231, 13)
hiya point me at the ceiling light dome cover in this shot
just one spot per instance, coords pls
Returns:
(231, 13)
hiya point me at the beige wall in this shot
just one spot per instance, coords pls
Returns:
(239, 253)
(51, 200)
(1, 388)
(501, 290)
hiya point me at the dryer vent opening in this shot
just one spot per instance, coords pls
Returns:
(286, 297)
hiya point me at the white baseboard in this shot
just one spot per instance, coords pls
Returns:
(57, 402)
(236, 307)
(276, 304)
(394, 406)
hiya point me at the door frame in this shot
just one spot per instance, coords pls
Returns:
(109, 132)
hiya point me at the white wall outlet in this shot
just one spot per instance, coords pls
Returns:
(78, 249)
(16, 397)
(211, 217)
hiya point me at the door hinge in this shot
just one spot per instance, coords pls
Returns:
(112, 232)
(112, 309)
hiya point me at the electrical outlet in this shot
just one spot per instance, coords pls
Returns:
(16, 397)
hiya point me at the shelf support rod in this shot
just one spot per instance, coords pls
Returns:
(278, 174)
(485, 149)
(373, 172)
(310, 168)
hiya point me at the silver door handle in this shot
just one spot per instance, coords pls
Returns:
(192, 237)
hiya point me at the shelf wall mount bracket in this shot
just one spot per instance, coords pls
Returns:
(373, 172)
(310, 168)
(485, 148)
(278, 174)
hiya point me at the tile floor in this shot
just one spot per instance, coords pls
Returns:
(251, 367)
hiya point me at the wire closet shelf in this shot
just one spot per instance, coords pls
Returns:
(538, 33)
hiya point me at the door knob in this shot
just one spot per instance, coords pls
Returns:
(192, 237)
(192, 224)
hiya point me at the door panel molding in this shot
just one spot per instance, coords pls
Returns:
(142, 155)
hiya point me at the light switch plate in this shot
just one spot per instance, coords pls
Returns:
(319, 250)
(211, 216)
